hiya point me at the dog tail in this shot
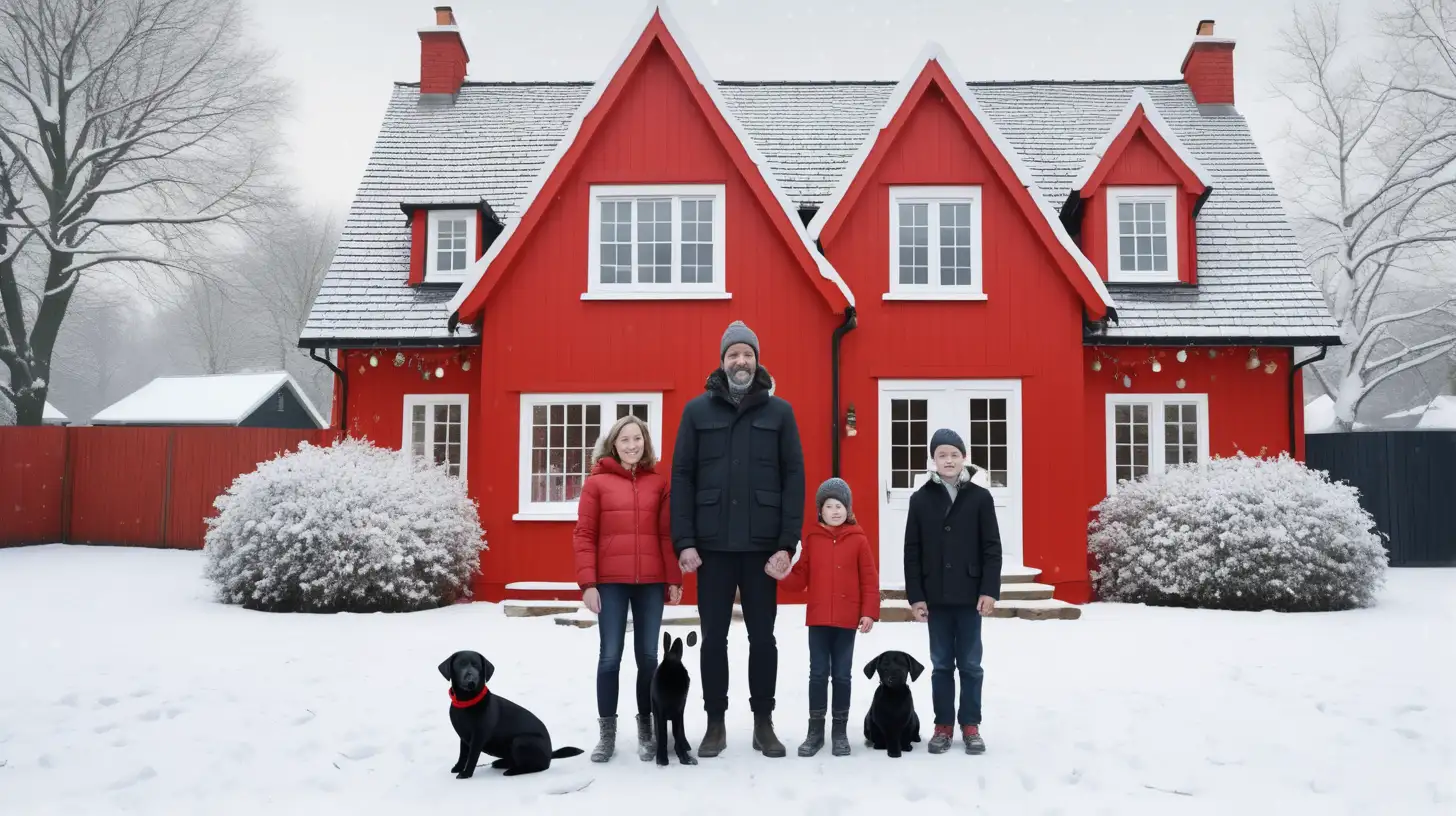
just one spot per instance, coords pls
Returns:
(560, 753)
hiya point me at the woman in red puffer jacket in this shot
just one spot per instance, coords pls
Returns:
(624, 558)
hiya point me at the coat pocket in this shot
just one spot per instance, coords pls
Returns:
(708, 513)
(713, 440)
(766, 520)
(763, 442)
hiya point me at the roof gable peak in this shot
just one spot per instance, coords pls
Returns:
(1137, 113)
(656, 25)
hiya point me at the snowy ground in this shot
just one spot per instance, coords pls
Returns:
(124, 689)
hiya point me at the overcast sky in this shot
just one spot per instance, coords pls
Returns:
(343, 55)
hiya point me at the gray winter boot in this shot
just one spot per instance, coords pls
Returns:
(815, 740)
(646, 741)
(764, 738)
(607, 745)
(840, 735)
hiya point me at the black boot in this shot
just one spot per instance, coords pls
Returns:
(764, 738)
(646, 742)
(839, 737)
(715, 739)
(607, 745)
(815, 739)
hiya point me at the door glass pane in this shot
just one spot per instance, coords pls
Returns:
(987, 446)
(909, 434)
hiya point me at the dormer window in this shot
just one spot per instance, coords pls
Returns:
(1142, 240)
(451, 243)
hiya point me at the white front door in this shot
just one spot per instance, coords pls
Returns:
(987, 415)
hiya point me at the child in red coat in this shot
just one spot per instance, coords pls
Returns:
(838, 567)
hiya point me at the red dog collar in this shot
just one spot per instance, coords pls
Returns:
(455, 703)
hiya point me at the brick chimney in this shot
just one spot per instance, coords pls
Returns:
(442, 55)
(1209, 67)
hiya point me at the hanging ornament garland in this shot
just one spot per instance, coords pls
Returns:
(429, 365)
(1125, 365)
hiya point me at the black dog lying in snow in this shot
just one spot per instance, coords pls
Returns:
(670, 685)
(490, 724)
(891, 722)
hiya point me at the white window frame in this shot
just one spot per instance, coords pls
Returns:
(1156, 428)
(529, 510)
(432, 233)
(428, 400)
(934, 289)
(676, 290)
(1166, 195)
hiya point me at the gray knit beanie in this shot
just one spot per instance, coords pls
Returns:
(737, 332)
(945, 436)
(834, 488)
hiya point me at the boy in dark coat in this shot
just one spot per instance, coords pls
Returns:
(952, 580)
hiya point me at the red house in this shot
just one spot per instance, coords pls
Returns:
(1091, 281)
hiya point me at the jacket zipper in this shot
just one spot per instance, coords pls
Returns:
(636, 534)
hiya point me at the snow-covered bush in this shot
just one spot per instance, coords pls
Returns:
(1238, 533)
(347, 528)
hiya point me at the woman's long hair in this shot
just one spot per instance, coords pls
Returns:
(607, 445)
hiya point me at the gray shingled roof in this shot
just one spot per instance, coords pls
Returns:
(1253, 282)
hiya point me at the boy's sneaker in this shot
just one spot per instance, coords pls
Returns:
(940, 741)
(971, 735)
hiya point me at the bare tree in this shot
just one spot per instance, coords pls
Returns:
(130, 131)
(285, 271)
(1376, 186)
(207, 326)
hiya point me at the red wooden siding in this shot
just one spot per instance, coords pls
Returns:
(1247, 410)
(1139, 164)
(544, 338)
(377, 392)
(148, 487)
(32, 484)
(1029, 328)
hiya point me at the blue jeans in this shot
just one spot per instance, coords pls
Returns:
(646, 601)
(955, 648)
(831, 650)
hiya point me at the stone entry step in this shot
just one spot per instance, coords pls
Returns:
(671, 616)
(1047, 609)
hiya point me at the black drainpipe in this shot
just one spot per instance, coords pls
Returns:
(343, 386)
(839, 332)
(1294, 369)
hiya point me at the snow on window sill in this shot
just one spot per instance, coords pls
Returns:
(657, 295)
(963, 296)
(545, 515)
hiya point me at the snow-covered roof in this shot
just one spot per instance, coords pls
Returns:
(1139, 99)
(221, 399)
(1319, 414)
(51, 415)
(1253, 281)
(1437, 415)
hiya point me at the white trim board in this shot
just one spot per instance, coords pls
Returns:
(932, 51)
(1141, 99)
(477, 271)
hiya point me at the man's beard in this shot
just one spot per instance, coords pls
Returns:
(740, 379)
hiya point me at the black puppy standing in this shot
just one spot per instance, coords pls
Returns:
(670, 684)
(891, 722)
(490, 724)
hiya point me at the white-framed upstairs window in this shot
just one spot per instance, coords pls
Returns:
(558, 435)
(436, 429)
(649, 241)
(1149, 433)
(1142, 234)
(450, 245)
(935, 244)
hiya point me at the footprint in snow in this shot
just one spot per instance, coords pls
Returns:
(69, 700)
(45, 761)
(104, 727)
(915, 794)
(137, 778)
(173, 712)
(361, 752)
(108, 701)
(1410, 708)
(1408, 733)
(143, 693)
(300, 720)
(1027, 781)
(151, 715)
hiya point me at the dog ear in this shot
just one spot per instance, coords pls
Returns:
(915, 668)
(666, 643)
(487, 670)
(445, 667)
(872, 667)
(693, 638)
(676, 651)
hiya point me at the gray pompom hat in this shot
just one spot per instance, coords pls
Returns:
(835, 488)
(737, 332)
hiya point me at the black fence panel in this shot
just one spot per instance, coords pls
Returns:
(1406, 479)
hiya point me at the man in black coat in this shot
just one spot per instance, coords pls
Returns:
(952, 580)
(737, 507)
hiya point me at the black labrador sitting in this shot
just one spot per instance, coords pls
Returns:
(891, 722)
(490, 724)
(670, 685)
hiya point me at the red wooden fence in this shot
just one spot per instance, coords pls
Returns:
(148, 487)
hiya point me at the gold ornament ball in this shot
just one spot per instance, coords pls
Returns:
(373, 361)
(1182, 356)
(439, 372)
(1181, 383)
(1096, 365)
(1157, 366)
(465, 366)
